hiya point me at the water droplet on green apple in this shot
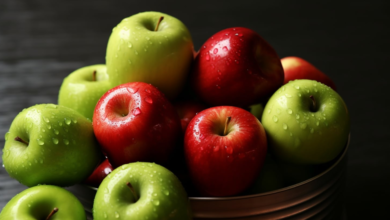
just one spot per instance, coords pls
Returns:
(43, 130)
(275, 119)
(116, 215)
(60, 123)
(289, 111)
(296, 87)
(318, 123)
(55, 140)
(40, 142)
(288, 95)
(67, 121)
(49, 127)
(285, 126)
(156, 202)
(299, 94)
(46, 119)
(6, 136)
(297, 116)
(303, 126)
(105, 215)
(56, 131)
(166, 192)
(66, 141)
(129, 45)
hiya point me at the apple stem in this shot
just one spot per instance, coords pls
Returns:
(158, 23)
(52, 213)
(132, 190)
(94, 76)
(313, 107)
(21, 140)
(226, 125)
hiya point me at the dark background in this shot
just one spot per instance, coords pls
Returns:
(42, 41)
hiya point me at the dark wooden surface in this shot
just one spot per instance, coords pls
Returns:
(42, 41)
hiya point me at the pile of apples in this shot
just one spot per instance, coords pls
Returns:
(160, 121)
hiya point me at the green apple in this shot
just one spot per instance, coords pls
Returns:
(141, 190)
(82, 89)
(43, 202)
(50, 144)
(137, 52)
(257, 110)
(270, 178)
(306, 122)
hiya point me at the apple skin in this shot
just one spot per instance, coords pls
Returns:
(99, 174)
(62, 149)
(38, 201)
(136, 122)
(187, 109)
(301, 135)
(137, 53)
(257, 110)
(224, 165)
(237, 67)
(80, 92)
(161, 195)
(298, 68)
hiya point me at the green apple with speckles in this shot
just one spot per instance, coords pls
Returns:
(43, 202)
(50, 144)
(306, 122)
(144, 48)
(82, 89)
(141, 190)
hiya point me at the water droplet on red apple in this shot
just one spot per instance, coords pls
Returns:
(136, 111)
(215, 50)
(216, 148)
(147, 90)
(225, 48)
(229, 150)
(149, 100)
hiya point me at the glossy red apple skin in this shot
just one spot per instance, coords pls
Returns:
(187, 109)
(236, 67)
(99, 174)
(224, 165)
(136, 122)
(298, 68)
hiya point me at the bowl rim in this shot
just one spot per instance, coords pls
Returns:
(340, 157)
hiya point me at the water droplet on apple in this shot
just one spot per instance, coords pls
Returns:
(275, 119)
(74, 121)
(49, 127)
(67, 121)
(129, 45)
(55, 140)
(215, 50)
(156, 202)
(149, 100)
(40, 142)
(288, 95)
(6, 136)
(56, 131)
(318, 123)
(207, 57)
(229, 150)
(216, 148)
(303, 126)
(285, 126)
(46, 120)
(297, 87)
(60, 123)
(105, 215)
(116, 215)
(297, 116)
(225, 48)
(289, 111)
(66, 141)
(299, 94)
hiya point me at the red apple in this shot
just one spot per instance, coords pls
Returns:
(136, 122)
(99, 174)
(225, 148)
(298, 68)
(187, 110)
(237, 67)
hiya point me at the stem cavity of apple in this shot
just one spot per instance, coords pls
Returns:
(158, 23)
(21, 140)
(313, 106)
(132, 191)
(226, 125)
(94, 76)
(52, 213)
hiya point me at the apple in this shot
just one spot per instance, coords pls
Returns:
(257, 110)
(237, 67)
(225, 147)
(306, 122)
(298, 68)
(144, 48)
(50, 144)
(82, 89)
(136, 122)
(43, 202)
(270, 178)
(99, 174)
(187, 109)
(141, 190)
